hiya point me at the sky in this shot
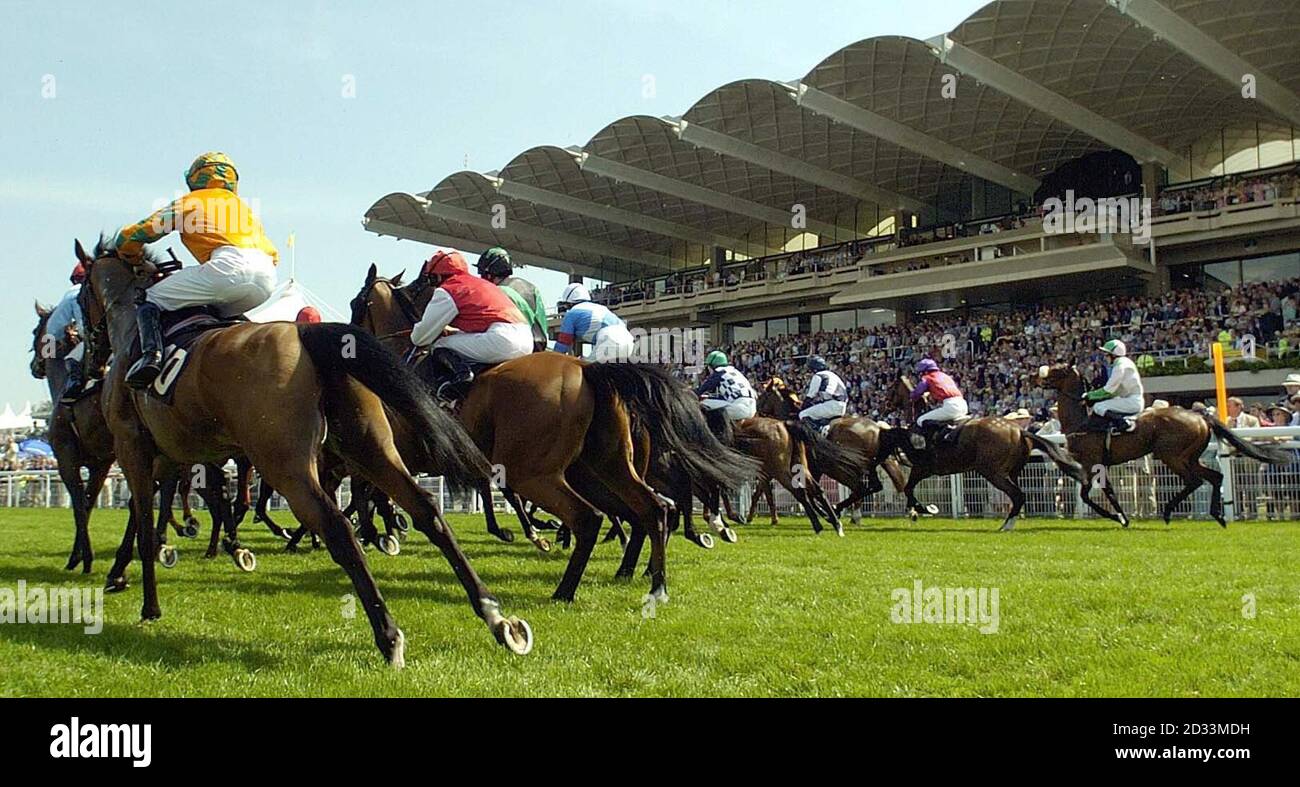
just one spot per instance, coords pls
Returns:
(103, 106)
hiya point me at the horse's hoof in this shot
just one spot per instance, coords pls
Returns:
(704, 540)
(515, 634)
(115, 585)
(72, 563)
(389, 546)
(245, 560)
(839, 530)
(930, 508)
(397, 651)
(539, 542)
(505, 535)
(728, 535)
(168, 556)
(1123, 521)
(402, 523)
(191, 530)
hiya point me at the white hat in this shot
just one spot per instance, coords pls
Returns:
(575, 293)
(1292, 379)
(1159, 404)
(1018, 414)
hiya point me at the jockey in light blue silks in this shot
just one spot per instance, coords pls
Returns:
(68, 312)
(591, 322)
(827, 397)
(1122, 396)
(726, 389)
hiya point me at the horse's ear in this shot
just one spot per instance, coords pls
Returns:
(396, 281)
(77, 249)
(42, 311)
(372, 274)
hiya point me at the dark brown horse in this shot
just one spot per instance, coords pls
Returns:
(298, 387)
(578, 439)
(1174, 435)
(857, 434)
(991, 446)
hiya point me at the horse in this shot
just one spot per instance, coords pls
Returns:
(991, 446)
(1174, 435)
(855, 433)
(576, 438)
(280, 394)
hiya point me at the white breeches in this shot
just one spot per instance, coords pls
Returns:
(825, 411)
(500, 342)
(234, 280)
(613, 343)
(735, 410)
(949, 409)
(1120, 405)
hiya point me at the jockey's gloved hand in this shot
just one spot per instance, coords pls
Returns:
(409, 358)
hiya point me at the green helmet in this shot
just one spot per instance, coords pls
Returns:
(715, 359)
(1114, 347)
(495, 262)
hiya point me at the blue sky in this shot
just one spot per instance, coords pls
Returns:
(140, 89)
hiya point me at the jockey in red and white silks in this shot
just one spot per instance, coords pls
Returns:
(942, 389)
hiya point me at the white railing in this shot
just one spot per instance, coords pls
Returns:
(1250, 490)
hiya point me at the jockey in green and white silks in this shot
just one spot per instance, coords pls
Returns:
(726, 389)
(1122, 395)
(827, 396)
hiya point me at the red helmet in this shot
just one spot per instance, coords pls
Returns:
(78, 274)
(307, 314)
(445, 264)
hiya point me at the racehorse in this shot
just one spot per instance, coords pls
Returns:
(786, 451)
(296, 388)
(1174, 435)
(991, 446)
(858, 434)
(576, 438)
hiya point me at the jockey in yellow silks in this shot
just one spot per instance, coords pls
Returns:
(236, 270)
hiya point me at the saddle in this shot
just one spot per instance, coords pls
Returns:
(1110, 424)
(447, 373)
(943, 433)
(180, 329)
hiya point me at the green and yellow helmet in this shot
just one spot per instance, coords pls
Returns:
(212, 171)
(715, 359)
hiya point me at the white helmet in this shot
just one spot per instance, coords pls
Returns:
(574, 293)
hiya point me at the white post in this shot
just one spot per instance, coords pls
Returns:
(1229, 489)
(958, 492)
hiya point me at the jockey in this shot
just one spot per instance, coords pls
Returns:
(588, 321)
(482, 325)
(1122, 395)
(308, 314)
(726, 389)
(236, 270)
(827, 397)
(65, 314)
(943, 390)
(495, 266)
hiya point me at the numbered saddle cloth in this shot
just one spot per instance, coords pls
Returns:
(180, 329)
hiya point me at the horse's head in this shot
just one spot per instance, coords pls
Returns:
(40, 343)
(776, 400)
(384, 307)
(1062, 377)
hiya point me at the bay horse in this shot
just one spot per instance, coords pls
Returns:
(856, 433)
(991, 446)
(280, 393)
(1174, 435)
(576, 438)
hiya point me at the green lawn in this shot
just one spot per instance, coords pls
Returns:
(1084, 609)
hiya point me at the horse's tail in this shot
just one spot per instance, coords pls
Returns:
(1260, 453)
(1060, 456)
(825, 457)
(672, 416)
(339, 350)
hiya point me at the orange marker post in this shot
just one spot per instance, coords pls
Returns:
(1220, 383)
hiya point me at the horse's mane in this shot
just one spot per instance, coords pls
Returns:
(106, 247)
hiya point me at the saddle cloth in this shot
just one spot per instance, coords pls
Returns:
(180, 329)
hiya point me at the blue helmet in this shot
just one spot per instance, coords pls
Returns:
(817, 363)
(926, 365)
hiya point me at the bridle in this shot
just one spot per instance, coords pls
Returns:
(405, 297)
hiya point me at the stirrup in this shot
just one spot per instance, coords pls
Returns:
(144, 371)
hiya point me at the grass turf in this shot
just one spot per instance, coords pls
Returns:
(1084, 609)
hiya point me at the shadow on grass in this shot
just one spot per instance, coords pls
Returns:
(145, 644)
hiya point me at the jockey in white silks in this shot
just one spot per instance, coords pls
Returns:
(726, 389)
(1122, 395)
(827, 397)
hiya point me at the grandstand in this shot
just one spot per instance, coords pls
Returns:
(902, 192)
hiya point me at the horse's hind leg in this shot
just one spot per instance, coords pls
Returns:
(556, 496)
(1215, 479)
(116, 579)
(1008, 486)
(70, 473)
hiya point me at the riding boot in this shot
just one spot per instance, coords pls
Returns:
(454, 374)
(72, 385)
(143, 372)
